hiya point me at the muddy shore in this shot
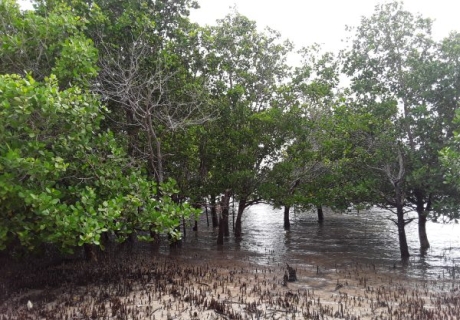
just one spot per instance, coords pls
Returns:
(158, 286)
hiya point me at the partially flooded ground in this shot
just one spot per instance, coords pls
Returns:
(137, 286)
(347, 268)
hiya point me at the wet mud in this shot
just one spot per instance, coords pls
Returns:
(347, 268)
(158, 286)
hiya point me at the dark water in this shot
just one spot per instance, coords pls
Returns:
(368, 237)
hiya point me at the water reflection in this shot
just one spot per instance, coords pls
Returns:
(368, 237)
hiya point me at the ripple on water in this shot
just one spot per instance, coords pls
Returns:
(368, 237)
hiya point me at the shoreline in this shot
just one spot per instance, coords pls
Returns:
(137, 286)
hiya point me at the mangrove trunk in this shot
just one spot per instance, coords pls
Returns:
(241, 207)
(214, 218)
(287, 223)
(319, 210)
(401, 223)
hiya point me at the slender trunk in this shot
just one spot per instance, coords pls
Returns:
(215, 221)
(424, 243)
(206, 210)
(402, 232)
(399, 204)
(223, 217)
(225, 212)
(287, 223)
(401, 223)
(159, 161)
(196, 205)
(241, 207)
(319, 210)
(421, 212)
(292, 189)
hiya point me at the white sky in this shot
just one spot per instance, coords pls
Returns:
(306, 22)
(323, 21)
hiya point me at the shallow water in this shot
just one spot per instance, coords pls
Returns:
(368, 237)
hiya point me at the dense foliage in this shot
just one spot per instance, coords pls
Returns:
(117, 118)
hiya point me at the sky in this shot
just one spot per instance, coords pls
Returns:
(306, 22)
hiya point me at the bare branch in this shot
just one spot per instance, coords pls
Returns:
(137, 79)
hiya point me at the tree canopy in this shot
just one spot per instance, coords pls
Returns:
(119, 117)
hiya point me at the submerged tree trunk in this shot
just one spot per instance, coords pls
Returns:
(223, 220)
(399, 199)
(319, 210)
(422, 218)
(214, 218)
(292, 189)
(423, 237)
(401, 223)
(226, 212)
(241, 207)
(287, 223)
(196, 205)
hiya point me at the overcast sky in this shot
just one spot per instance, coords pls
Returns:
(323, 21)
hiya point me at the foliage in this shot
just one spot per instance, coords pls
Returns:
(393, 58)
(450, 159)
(64, 181)
(301, 175)
(247, 69)
(41, 45)
(215, 108)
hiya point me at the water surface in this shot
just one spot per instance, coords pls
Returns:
(368, 237)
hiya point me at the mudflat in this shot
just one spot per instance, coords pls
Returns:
(156, 286)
